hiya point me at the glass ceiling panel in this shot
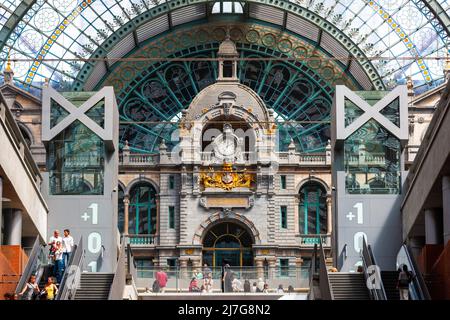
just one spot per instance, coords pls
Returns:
(7, 8)
(76, 28)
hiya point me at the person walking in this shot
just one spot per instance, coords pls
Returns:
(247, 286)
(50, 290)
(260, 285)
(228, 279)
(236, 284)
(59, 264)
(193, 285)
(67, 242)
(208, 283)
(280, 289)
(404, 279)
(51, 254)
(161, 278)
(31, 289)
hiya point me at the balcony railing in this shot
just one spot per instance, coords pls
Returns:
(307, 159)
(141, 239)
(180, 278)
(312, 239)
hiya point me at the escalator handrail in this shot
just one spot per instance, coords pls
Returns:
(67, 289)
(368, 259)
(32, 260)
(64, 279)
(324, 281)
(418, 281)
(312, 271)
(374, 262)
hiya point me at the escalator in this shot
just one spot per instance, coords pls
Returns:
(386, 288)
(371, 284)
(38, 265)
(326, 285)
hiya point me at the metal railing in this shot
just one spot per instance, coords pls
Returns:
(72, 274)
(324, 281)
(369, 261)
(35, 261)
(313, 268)
(418, 289)
(179, 278)
(120, 274)
(284, 157)
(313, 239)
(141, 239)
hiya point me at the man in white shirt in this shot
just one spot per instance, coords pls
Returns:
(67, 242)
(53, 240)
(53, 248)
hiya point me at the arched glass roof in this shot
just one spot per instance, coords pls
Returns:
(74, 29)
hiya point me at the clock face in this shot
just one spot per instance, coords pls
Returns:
(225, 147)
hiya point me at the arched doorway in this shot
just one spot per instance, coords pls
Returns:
(228, 243)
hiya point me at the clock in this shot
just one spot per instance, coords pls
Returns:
(226, 145)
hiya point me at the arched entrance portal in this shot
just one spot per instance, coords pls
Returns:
(228, 243)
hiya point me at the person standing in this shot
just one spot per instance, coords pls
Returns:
(208, 283)
(50, 290)
(206, 269)
(404, 279)
(53, 239)
(51, 255)
(31, 289)
(59, 264)
(162, 278)
(67, 242)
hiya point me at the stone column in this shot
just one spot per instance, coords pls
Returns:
(158, 218)
(126, 204)
(197, 264)
(259, 268)
(183, 268)
(329, 215)
(13, 226)
(272, 262)
(433, 226)
(446, 208)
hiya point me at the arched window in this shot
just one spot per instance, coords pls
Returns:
(228, 243)
(142, 209)
(313, 209)
(227, 7)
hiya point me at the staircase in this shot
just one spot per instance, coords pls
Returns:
(389, 279)
(348, 286)
(94, 286)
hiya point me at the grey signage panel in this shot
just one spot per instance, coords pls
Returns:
(92, 219)
(375, 217)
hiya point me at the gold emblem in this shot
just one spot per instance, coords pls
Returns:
(227, 179)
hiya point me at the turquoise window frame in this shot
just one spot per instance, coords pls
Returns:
(136, 205)
(171, 182)
(171, 217)
(304, 209)
(283, 214)
(284, 267)
(283, 182)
